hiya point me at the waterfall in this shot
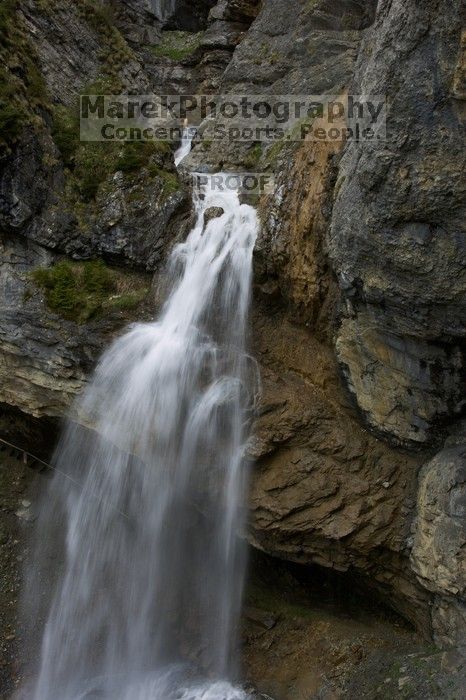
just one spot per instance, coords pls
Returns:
(186, 143)
(147, 605)
(163, 9)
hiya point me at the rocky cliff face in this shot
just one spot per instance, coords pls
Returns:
(358, 320)
(401, 341)
(437, 554)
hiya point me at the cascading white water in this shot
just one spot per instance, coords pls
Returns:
(185, 146)
(148, 603)
(163, 9)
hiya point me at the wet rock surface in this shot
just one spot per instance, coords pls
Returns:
(18, 484)
(212, 213)
(359, 299)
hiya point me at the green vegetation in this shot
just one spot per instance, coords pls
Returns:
(265, 54)
(170, 182)
(65, 132)
(276, 150)
(90, 163)
(93, 163)
(129, 301)
(23, 95)
(7, 9)
(279, 148)
(348, 22)
(253, 156)
(82, 291)
(23, 101)
(177, 45)
(23, 91)
(115, 52)
(75, 293)
(11, 120)
(136, 154)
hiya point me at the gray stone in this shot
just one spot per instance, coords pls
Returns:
(212, 213)
(397, 228)
(438, 555)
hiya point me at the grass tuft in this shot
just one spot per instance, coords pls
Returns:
(136, 154)
(253, 156)
(65, 132)
(177, 45)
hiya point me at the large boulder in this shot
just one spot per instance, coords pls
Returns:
(324, 490)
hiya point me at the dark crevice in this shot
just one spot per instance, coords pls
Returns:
(35, 435)
(312, 586)
(190, 16)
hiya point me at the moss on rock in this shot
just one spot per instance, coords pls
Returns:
(177, 45)
(115, 52)
(23, 95)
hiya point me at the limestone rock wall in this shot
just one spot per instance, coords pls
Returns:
(370, 258)
(358, 314)
(46, 215)
(438, 554)
(396, 239)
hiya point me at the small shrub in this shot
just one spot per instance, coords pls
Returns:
(43, 277)
(11, 122)
(99, 17)
(21, 92)
(27, 295)
(115, 52)
(136, 154)
(102, 85)
(97, 278)
(76, 292)
(93, 162)
(65, 132)
(35, 84)
(64, 295)
(81, 291)
(275, 151)
(132, 157)
(61, 288)
(11, 114)
(346, 21)
(170, 182)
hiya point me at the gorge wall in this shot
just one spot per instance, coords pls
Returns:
(359, 310)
